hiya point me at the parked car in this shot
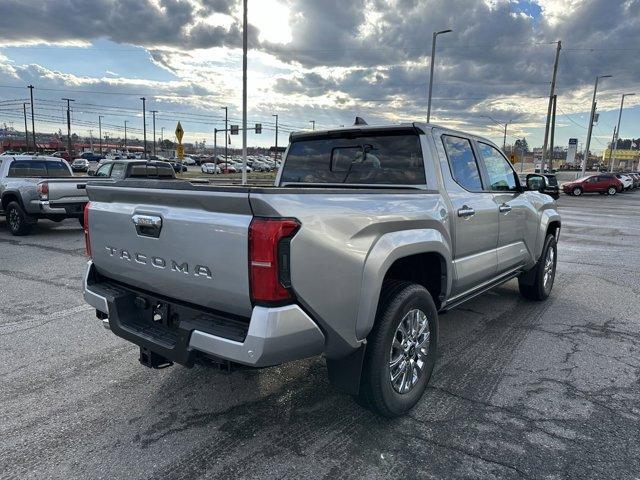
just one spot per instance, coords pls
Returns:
(188, 161)
(636, 179)
(33, 188)
(64, 155)
(608, 184)
(80, 165)
(179, 167)
(356, 273)
(210, 168)
(626, 180)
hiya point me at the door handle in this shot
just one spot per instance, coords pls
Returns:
(466, 212)
(505, 208)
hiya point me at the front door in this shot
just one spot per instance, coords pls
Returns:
(514, 211)
(475, 217)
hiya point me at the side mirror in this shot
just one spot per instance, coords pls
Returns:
(536, 183)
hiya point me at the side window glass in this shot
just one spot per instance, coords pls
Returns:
(118, 171)
(103, 171)
(462, 162)
(501, 175)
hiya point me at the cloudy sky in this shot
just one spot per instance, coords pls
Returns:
(322, 60)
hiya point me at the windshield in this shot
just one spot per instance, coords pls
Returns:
(392, 159)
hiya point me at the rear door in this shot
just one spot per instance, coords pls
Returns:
(512, 206)
(475, 216)
(185, 243)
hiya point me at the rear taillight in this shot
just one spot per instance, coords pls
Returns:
(269, 273)
(85, 226)
(43, 191)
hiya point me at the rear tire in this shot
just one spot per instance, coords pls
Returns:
(399, 359)
(612, 191)
(538, 282)
(18, 221)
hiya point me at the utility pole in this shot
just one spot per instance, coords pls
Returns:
(553, 133)
(100, 132)
(276, 152)
(69, 100)
(26, 131)
(433, 62)
(226, 135)
(313, 124)
(590, 130)
(551, 94)
(125, 134)
(161, 135)
(91, 140)
(504, 140)
(215, 147)
(144, 124)
(613, 141)
(245, 25)
(154, 131)
(33, 122)
(616, 133)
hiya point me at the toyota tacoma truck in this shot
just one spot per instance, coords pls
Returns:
(35, 187)
(367, 235)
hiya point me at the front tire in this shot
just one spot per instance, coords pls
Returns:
(538, 282)
(402, 349)
(576, 192)
(18, 221)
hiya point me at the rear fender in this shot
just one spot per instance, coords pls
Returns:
(389, 248)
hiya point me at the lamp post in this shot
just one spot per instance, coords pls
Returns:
(433, 58)
(125, 134)
(144, 124)
(616, 132)
(226, 136)
(591, 117)
(276, 152)
(100, 132)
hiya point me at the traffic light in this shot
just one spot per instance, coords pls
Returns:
(235, 129)
(258, 128)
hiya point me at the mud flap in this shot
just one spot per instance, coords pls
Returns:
(345, 372)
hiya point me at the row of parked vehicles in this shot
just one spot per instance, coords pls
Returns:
(603, 183)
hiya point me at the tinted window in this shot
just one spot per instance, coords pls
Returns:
(462, 162)
(380, 159)
(143, 170)
(27, 168)
(57, 169)
(501, 175)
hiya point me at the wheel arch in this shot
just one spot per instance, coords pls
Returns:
(10, 196)
(422, 256)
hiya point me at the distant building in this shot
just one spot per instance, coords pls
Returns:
(625, 159)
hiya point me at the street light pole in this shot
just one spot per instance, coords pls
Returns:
(276, 152)
(245, 46)
(144, 124)
(590, 130)
(616, 132)
(100, 132)
(433, 57)
(69, 126)
(125, 134)
(154, 131)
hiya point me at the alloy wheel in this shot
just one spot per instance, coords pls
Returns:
(409, 351)
(14, 220)
(549, 268)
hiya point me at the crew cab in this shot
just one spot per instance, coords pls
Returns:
(122, 169)
(37, 187)
(367, 235)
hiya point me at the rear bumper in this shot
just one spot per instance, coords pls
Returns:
(274, 335)
(68, 209)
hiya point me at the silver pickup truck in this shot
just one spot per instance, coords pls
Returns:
(35, 187)
(368, 233)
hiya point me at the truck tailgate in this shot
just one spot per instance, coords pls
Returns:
(67, 190)
(183, 244)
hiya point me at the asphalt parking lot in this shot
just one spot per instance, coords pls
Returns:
(522, 390)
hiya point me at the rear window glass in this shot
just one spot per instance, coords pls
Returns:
(151, 171)
(380, 160)
(57, 169)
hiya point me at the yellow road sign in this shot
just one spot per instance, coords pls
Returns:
(180, 152)
(513, 158)
(179, 133)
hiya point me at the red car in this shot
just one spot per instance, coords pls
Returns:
(602, 184)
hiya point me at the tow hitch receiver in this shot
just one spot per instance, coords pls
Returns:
(153, 360)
